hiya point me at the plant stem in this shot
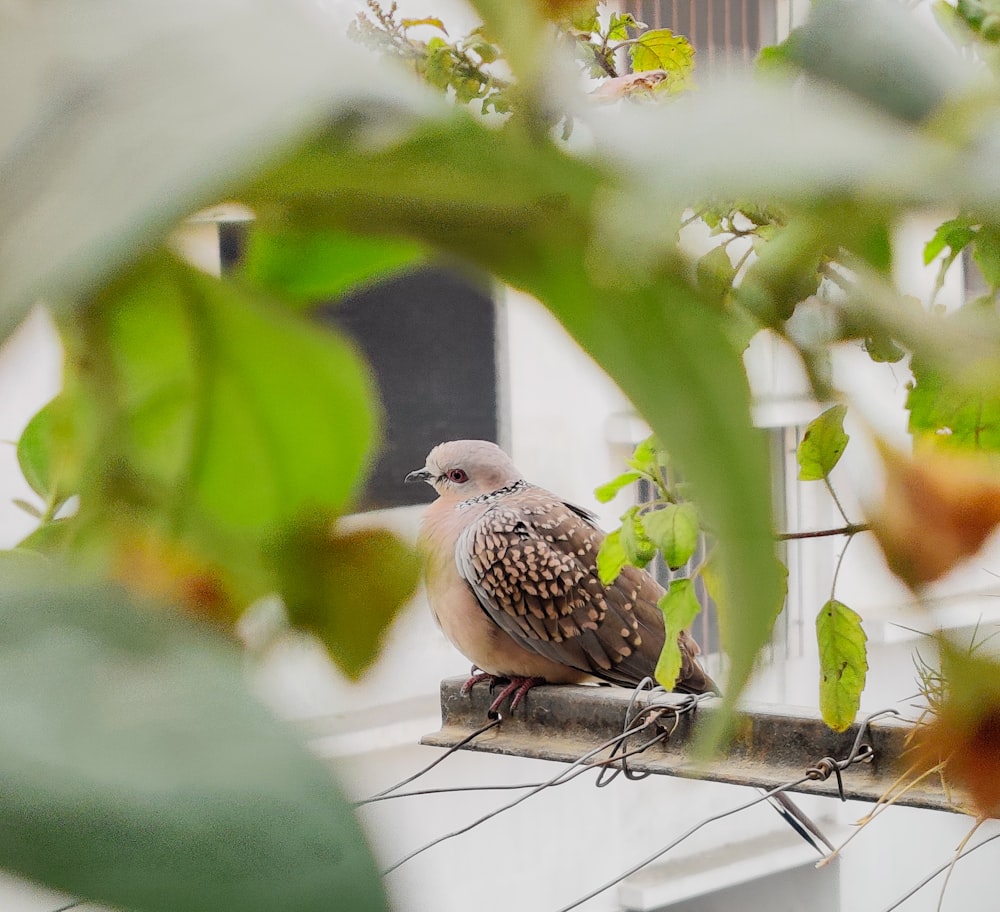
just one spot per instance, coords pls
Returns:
(850, 529)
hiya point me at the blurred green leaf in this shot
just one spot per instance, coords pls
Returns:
(315, 266)
(843, 663)
(881, 52)
(611, 558)
(646, 457)
(955, 234)
(661, 49)
(46, 454)
(822, 444)
(346, 589)
(674, 530)
(619, 24)
(151, 114)
(680, 607)
(638, 548)
(785, 272)
(607, 492)
(195, 420)
(986, 251)
(140, 773)
(952, 415)
(715, 274)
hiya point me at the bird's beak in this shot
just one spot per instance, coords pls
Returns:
(418, 475)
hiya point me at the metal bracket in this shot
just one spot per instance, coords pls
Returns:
(772, 745)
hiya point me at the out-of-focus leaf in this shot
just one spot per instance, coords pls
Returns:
(715, 274)
(619, 24)
(661, 49)
(784, 273)
(645, 457)
(201, 456)
(950, 415)
(346, 588)
(198, 422)
(680, 607)
(638, 548)
(964, 731)
(141, 774)
(883, 349)
(674, 530)
(611, 558)
(880, 52)
(46, 454)
(122, 117)
(986, 251)
(315, 266)
(955, 234)
(608, 492)
(822, 444)
(843, 663)
(938, 509)
(426, 20)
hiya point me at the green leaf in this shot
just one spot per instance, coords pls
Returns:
(882, 53)
(619, 24)
(953, 415)
(884, 350)
(674, 530)
(822, 444)
(611, 558)
(986, 251)
(195, 416)
(955, 234)
(646, 457)
(154, 114)
(680, 607)
(346, 588)
(638, 548)
(607, 492)
(45, 452)
(661, 49)
(715, 274)
(140, 773)
(315, 266)
(843, 663)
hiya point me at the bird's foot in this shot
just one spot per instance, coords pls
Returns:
(516, 689)
(478, 677)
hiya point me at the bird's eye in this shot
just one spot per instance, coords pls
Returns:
(458, 476)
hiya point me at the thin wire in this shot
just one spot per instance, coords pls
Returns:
(73, 905)
(690, 832)
(553, 781)
(378, 796)
(940, 870)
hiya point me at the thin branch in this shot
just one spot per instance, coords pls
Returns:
(836, 499)
(851, 529)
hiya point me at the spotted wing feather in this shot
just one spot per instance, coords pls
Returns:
(532, 563)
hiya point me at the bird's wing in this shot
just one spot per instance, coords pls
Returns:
(532, 562)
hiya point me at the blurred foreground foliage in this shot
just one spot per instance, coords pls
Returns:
(209, 434)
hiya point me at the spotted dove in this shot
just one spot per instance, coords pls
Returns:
(512, 580)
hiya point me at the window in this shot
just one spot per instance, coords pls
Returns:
(720, 30)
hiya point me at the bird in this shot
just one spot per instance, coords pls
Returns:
(512, 581)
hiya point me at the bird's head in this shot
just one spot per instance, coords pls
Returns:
(460, 469)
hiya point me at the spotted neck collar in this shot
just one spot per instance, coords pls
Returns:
(493, 496)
